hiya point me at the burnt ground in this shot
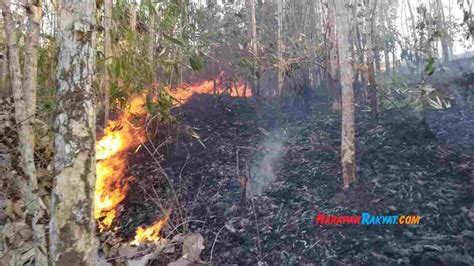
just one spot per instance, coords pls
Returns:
(405, 166)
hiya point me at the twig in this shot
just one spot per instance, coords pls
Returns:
(214, 243)
(184, 166)
(162, 171)
(185, 222)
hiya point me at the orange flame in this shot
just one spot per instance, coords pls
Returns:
(112, 184)
(150, 233)
(184, 91)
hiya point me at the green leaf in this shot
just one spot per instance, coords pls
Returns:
(430, 67)
(174, 40)
(196, 62)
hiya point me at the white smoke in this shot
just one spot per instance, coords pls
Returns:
(263, 170)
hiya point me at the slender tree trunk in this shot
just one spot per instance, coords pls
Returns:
(72, 226)
(417, 45)
(370, 7)
(253, 44)
(444, 32)
(383, 22)
(151, 43)
(23, 95)
(348, 114)
(34, 14)
(133, 15)
(334, 84)
(280, 77)
(253, 27)
(108, 58)
(361, 61)
(5, 75)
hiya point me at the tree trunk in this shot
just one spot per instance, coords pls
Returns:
(444, 32)
(383, 22)
(34, 14)
(253, 27)
(334, 85)
(370, 7)
(108, 58)
(133, 15)
(416, 47)
(151, 43)
(72, 226)
(5, 75)
(280, 77)
(361, 61)
(348, 116)
(253, 43)
(22, 96)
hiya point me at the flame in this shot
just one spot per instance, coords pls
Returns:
(111, 184)
(121, 135)
(150, 233)
(184, 91)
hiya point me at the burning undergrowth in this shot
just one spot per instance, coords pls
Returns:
(126, 140)
(113, 182)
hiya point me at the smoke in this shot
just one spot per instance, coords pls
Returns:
(264, 168)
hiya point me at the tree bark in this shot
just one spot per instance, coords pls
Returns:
(444, 32)
(370, 7)
(334, 84)
(5, 75)
(72, 226)
(133, 15)
(151, 43)
(34, 13)
(348, 116)
(108, 58)
(253, 27)
(383, 22)
(416, 47)
(280, 77)
(253, 44)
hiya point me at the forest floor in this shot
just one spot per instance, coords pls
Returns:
(404, 166)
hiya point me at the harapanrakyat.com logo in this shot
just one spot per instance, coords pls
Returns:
(367, 219)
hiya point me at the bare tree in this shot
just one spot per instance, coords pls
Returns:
(72, 226)
(348, 115)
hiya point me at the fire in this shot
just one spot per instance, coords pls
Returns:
(111, 184)
(150, 233)
(119, 137)
(183, 92)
